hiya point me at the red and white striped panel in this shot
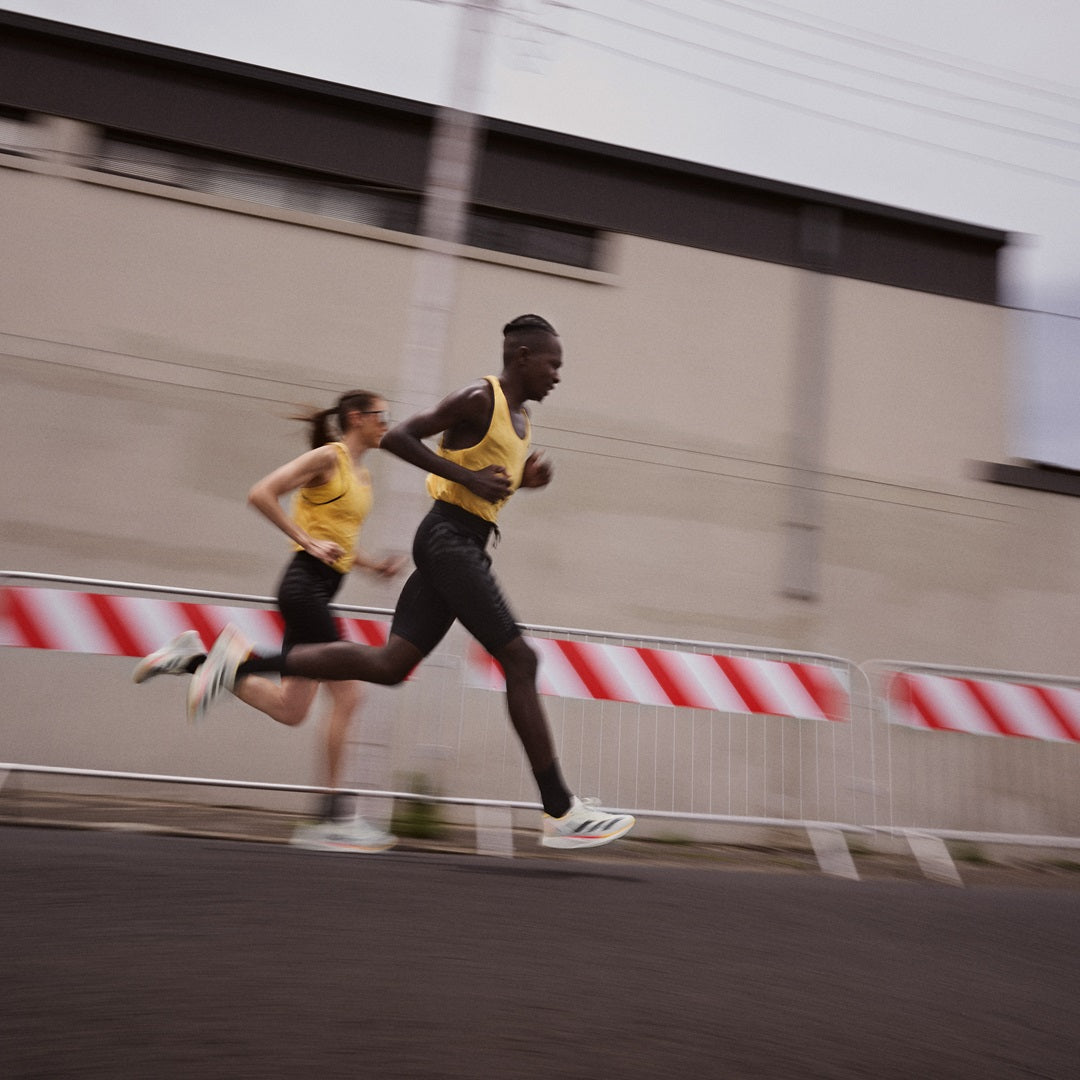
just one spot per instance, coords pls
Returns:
(41, 618)
(134, 626)
(984, 707)
(643, 676)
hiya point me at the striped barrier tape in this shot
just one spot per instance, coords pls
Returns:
(69, 621)
(135, 625)
(42, 618)
(644, 676)
(984, 706)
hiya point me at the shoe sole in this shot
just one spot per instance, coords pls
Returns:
(351, 849)
(197, 699)
(576, 843)
(144, 669)
(203, 693)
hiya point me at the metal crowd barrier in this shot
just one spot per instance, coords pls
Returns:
(702, 739)
(977, 757)
(777, 747)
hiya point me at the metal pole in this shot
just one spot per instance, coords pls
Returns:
(454, 145)
(455, 142)
(809, 405)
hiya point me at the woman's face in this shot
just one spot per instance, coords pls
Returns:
(374, 422)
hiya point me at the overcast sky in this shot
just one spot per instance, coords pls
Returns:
(968, 109)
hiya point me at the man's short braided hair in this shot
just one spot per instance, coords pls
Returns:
(529, 322)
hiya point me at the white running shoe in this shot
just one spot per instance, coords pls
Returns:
(172, 658)
(584, 825)
(217, 673)
(356, 835)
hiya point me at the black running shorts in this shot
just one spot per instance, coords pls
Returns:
(304, 596)
(453, 580)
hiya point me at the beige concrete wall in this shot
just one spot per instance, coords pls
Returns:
(152, 345)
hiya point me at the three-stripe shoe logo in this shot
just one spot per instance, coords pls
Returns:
(595, 828)
(584, 825)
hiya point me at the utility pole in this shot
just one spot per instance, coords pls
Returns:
(454, 146)
(455, 143)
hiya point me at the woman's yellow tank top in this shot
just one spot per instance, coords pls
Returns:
(335, 510)
(501, 445)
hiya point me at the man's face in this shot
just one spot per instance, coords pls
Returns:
(542, 368)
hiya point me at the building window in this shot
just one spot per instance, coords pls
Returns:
(534, 238)
(237, 178)
(336, 197)
(18, 134)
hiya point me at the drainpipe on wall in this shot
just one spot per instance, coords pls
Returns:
(819, 239)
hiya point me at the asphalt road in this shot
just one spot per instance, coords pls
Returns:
(150, 957)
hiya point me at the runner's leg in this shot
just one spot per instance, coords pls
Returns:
(451, 555)
(286, 702)
(339, 661)
(345, 700)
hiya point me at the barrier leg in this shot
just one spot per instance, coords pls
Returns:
(933, 858)
(494, 831)
(832, 853)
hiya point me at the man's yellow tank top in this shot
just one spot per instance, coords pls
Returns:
(501, 445)
(335, 510)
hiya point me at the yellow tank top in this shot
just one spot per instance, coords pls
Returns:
(335, 510)
(501, 445)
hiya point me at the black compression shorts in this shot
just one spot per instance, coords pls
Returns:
(453, 580)
(304, 596)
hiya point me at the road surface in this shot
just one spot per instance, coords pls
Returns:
(165, 958)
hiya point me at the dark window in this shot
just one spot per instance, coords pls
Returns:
(237, 178)
(534, 238)
(18, 133)
(337, 197)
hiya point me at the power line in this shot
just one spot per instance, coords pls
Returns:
(807, 110)
(908, 50)
(789, 485)
(831, 83)
(833, 62)
(719, 473)
(737, 459)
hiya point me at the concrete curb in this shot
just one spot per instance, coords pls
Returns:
(33, 809)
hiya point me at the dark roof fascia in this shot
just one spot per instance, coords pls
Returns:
(242, 71)
(1037, 475)
(217, 65)
(646, 159)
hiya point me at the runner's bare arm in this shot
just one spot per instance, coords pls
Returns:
(388, 566)
(463, 416)
(310, 469)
